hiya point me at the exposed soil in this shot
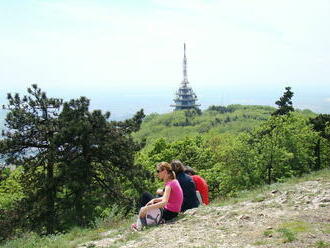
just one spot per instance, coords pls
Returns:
(290, 216)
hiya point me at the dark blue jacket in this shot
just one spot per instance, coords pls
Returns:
(190, 199)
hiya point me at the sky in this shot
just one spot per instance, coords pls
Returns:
(126, 55)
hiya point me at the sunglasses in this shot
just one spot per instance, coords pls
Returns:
(159, 171)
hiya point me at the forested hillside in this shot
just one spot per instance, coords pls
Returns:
(231, 119)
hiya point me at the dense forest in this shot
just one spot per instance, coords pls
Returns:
(74, 166)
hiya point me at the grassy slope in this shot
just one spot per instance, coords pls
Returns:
(117, 233)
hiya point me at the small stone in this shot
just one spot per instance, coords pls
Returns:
(222, 217)
(191, 212)
(244, 217)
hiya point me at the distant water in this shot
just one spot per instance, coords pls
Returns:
(124, 103)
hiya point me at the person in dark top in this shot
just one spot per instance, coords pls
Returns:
(190, 199)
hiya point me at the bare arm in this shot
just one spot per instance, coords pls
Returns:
(159, 204)
(153, 201)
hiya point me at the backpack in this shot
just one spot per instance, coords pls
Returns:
(153, 217)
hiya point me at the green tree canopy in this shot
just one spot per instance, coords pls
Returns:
(74, 160)
(284, 103)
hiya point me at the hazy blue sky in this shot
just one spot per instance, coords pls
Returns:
(127, 54)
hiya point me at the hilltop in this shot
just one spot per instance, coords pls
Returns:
(176, 125)
(232, 119)
(292, 214)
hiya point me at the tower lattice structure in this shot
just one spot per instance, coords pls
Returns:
(185, 96)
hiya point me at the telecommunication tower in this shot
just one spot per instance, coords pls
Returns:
(185, 96)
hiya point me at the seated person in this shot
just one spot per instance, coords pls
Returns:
(200, 183)
(190, 199)
(170, 202)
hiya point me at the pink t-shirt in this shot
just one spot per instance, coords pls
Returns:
(176, 196)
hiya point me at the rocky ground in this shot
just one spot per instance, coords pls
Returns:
(295, 215)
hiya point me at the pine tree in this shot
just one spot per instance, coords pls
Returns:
(97, 158)
(31, 126)
(74, 160)
(284, 103)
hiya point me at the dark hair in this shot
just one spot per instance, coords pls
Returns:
(177, 166)
(190, 171)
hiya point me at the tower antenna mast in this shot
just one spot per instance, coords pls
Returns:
(185, 77)
(185, 96)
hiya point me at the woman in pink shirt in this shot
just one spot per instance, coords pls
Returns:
(172, 198)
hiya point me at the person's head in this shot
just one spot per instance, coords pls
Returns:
(164, 171)
(190, 171)
(177, 166)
